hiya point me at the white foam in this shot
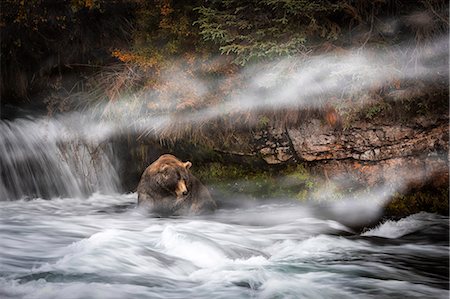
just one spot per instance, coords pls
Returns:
(200, 251)
(396, 229)
(313, 247)
(64, 248)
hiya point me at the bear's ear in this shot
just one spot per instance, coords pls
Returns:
(187, 165)
(163, 168)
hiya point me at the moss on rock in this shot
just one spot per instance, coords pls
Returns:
(289, 182)
(427, 199)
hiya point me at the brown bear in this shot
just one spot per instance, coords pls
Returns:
(167, 187)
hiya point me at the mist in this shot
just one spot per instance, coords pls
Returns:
(288, 83)
(291, 83)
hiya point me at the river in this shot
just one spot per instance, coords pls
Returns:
(88, 240)
(105, 247)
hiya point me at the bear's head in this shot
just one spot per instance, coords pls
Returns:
(172, 175)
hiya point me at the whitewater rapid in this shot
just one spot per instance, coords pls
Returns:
(105, 247)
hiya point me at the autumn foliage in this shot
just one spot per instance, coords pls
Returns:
(176, 58)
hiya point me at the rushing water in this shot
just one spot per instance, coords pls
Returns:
(52, 157)
(104, 247)
(101, 246)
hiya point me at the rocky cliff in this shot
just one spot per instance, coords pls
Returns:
(365, 154)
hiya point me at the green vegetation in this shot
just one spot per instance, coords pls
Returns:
(429, 200)
(298, 183)
(263, 122)
(265, 29)
(370, 112)
(291, 182)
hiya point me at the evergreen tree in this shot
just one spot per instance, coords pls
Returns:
(264, 29)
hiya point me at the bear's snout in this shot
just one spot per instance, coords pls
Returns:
(181, 188)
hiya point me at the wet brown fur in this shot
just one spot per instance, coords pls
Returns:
(167, 187)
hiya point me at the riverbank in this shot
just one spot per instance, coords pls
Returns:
(316, 162)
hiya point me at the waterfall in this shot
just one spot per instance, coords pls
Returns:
(48, 158)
